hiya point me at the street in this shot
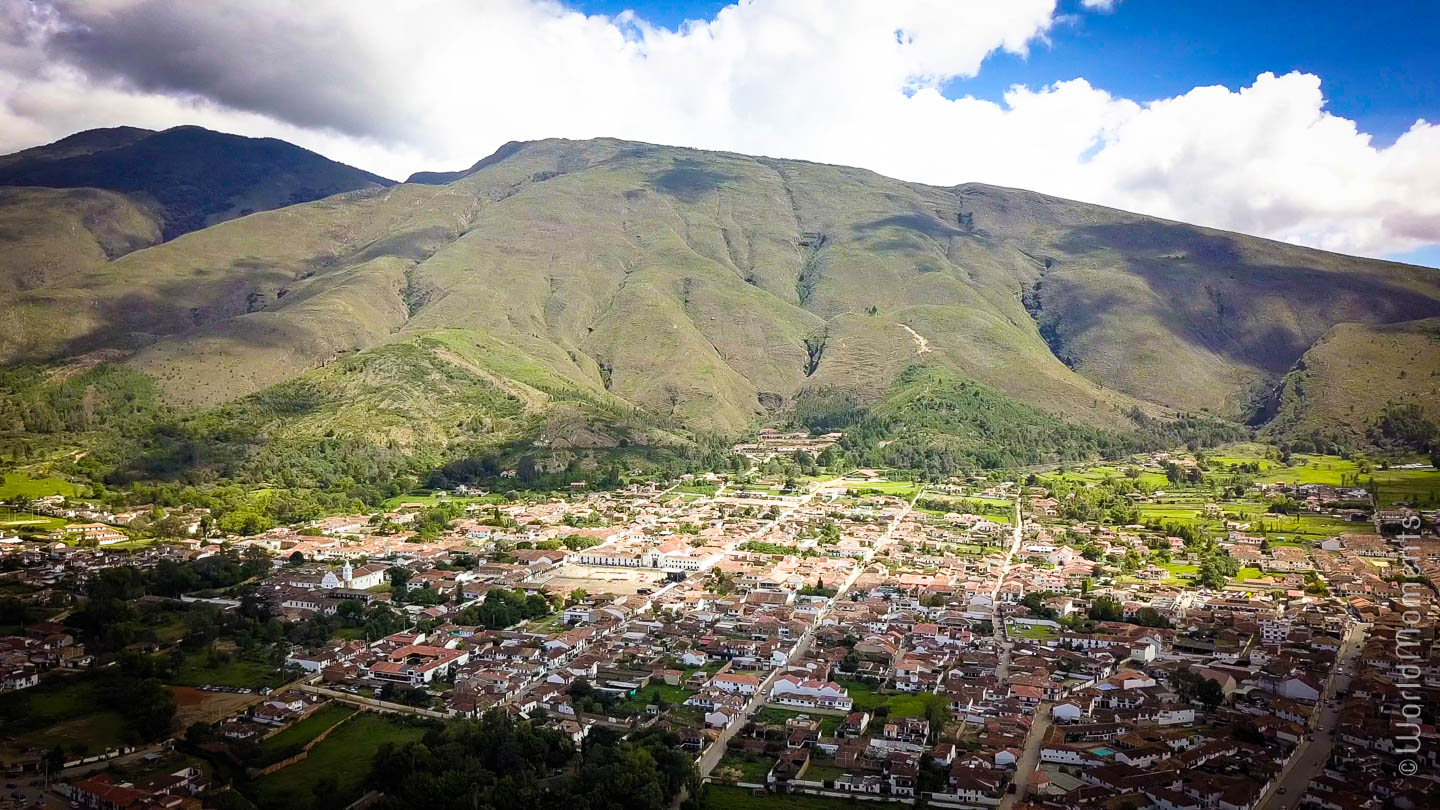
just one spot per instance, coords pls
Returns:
(1310, 757)
(997, 623)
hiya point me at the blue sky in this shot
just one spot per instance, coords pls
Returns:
(1379, 62)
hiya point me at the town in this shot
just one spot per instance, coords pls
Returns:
(1232, 630)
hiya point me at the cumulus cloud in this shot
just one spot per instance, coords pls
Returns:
(436, 84)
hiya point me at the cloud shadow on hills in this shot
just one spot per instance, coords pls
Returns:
(690, 180)
(1181, 263)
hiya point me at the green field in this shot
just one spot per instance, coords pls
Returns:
(92, 733)
(308, 729)
(822, 771)
(745, 767)
(239, 672)
(672, 695)
(61, 711)
(344, 756)
(1035, 632)
(909, 705)
(1293, 529)
(770, 714)
(1422, 486)
(902, 488)
(19, 485)
(863, 696)
(16, 520)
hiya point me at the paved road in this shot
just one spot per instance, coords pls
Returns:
(1313, 752)
(1040, 725)
(712, 755)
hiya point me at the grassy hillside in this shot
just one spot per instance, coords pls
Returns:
(562, 293)
(1188, 317)
(1347, 381)
(407, 406)
(194, 177)
(48, 236)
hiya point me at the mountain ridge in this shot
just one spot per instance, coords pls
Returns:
(192, 177)
(716, 291)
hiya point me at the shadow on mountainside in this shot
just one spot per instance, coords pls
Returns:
(1209, 291)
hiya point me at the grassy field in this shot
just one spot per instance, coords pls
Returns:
(92, 733)
(863, 696)
(908, 705)
(307, 729)
(744, 767)
(61, 711)
(899, 488)
(16, 520)
(818, 771)
(1288, 529)
(672, 695)
(344, 756)
(1035, 632)
(770, 714)
(20, 485)
(238, 672)
(1422, 485)
(729, 797)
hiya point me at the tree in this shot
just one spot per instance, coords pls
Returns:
(1150, 617)
(1106, 609)
(350, 612)
(399, 576)
(12, 611)
(1210, 692)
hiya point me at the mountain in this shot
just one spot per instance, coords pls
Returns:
(1355, 369)
(48, 235)
(188, 177)
(608, 293)
(81, 143)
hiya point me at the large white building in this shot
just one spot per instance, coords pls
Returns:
(792, 690)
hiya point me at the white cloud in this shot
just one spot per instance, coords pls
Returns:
(436, 84)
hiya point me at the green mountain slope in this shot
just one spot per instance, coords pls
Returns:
(193, 177)
(1344, 384)
(48, 236)
(707, 292)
